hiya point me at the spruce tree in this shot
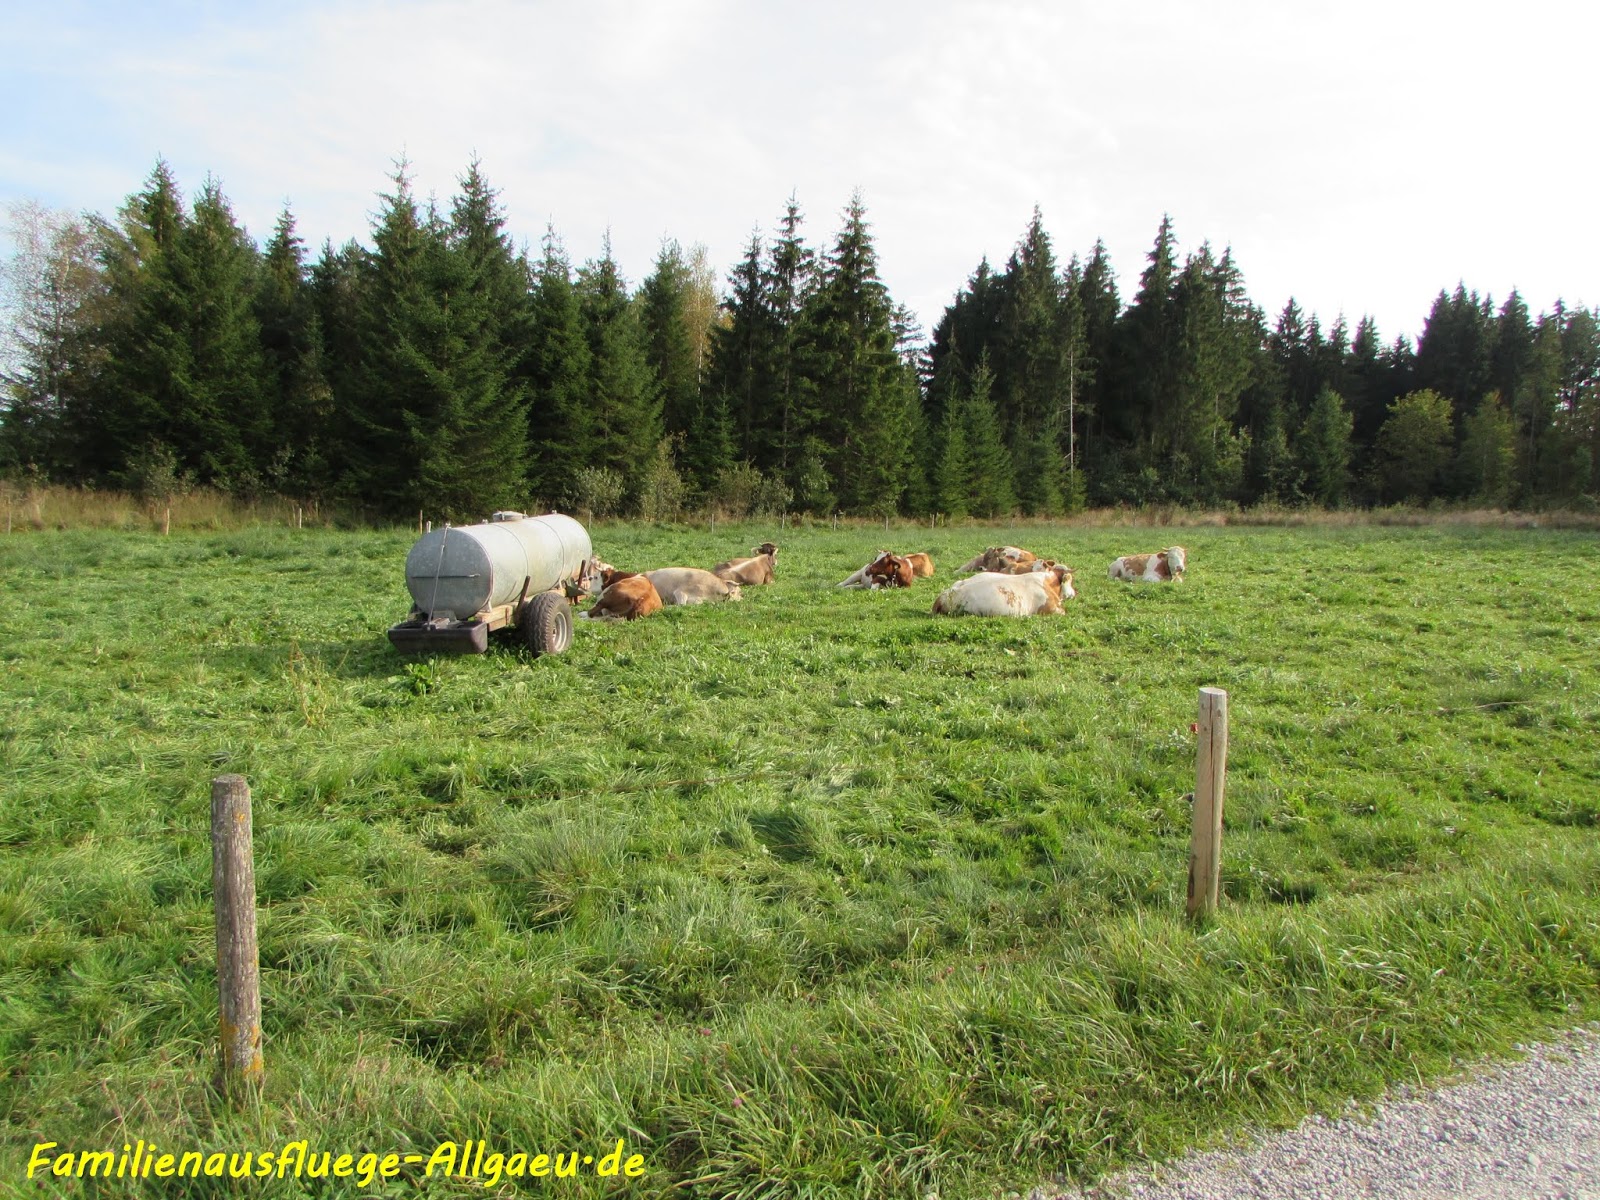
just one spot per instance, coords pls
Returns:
(222, 426)
(861, 390)
(669, 350)
(298, 398)
(791, 415)
(953, 471)
(1027, 354)
(741, 352)
(625, 399)
(561, 420)
(1323, 449)
(992, 491)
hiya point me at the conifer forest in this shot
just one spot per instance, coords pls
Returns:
(438, 366)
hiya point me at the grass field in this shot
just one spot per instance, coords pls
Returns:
(811, 895)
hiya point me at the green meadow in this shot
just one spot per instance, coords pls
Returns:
(814, 894)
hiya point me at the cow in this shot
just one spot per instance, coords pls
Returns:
(921, 565)
(887, 570)
(752, 571)
(690, 585)
(1001, 558)
(995, 594)
(1150, 568)
(627, 597)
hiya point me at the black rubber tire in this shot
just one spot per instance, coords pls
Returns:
(547, 623)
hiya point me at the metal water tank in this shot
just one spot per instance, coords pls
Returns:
(465, 569)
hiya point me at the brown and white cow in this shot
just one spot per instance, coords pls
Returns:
(1001, 558)
(690, 585)
(921, 565)
(1150, 568)
(627, 597)
(887, 570)
(750, 572)
(996, 594)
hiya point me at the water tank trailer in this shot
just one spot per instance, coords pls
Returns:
(511, 571)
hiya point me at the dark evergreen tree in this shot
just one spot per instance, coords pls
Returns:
(625, 399)
(1026, 352)
(1455, 353)
(794, 414)
(741, 353)
(992, 490)
(862, 390)
(298, 398)
(442, 422)
(670, 352)
(1150, 343)
(338, 282)
(561, 421)
(1323, 449)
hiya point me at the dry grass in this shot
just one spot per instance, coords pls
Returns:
(57, 507)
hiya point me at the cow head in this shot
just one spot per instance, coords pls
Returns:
(1173, 557)
(1058, 583)
(770, 549)
(890, 570)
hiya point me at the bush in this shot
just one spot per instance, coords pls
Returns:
(661, 488)
(598, 491)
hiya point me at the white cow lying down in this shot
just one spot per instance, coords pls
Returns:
(992, 594)
(690, 585)
(1150, 568)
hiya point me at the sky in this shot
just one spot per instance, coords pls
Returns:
(1359, 157)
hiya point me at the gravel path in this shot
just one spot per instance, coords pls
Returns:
(1529, 1130)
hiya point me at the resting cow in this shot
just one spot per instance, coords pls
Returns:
(995, 594)
(1150, 568)
(1001, 558)
(627, 597)
(921, 565)
(887, 570)
(750, 571)
(690, 585)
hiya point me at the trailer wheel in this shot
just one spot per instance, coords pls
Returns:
(547, 623)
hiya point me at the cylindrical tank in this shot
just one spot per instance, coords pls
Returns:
(467, 568)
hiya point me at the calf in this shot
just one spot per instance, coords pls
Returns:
(1001, 558)
(690, 585)
(749, 571)
(994, 594)
(921, 565)
(627, 597)
(1150, 568)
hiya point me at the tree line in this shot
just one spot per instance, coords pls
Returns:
(444, 369)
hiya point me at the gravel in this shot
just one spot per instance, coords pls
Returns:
(1525, 1131)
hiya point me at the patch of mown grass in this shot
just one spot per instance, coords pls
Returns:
(816, 894)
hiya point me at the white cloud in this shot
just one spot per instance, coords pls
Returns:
(1360, 157)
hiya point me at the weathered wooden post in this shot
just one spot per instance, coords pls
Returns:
(1211, 770)
(233, 897)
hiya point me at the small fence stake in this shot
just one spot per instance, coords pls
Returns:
(233, 896)
(1211, 770)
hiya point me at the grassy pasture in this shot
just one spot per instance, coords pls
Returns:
(811, 895)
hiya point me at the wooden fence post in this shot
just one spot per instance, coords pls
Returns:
(1211, 771)
(233, 896)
